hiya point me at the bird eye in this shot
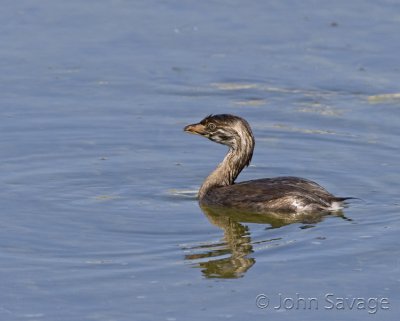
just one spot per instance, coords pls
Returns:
(211, 126)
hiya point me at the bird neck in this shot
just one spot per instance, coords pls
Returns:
(228, 170)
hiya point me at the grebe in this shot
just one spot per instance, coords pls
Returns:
(292, 195)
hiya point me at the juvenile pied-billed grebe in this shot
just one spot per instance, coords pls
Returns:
(279, 194)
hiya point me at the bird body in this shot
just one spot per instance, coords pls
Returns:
(279, 195)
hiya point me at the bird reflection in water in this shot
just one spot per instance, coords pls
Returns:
(231, 258)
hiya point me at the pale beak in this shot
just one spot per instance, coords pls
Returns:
(195, 129)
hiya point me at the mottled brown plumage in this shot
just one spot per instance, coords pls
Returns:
(280, 194)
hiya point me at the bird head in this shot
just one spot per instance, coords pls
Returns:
(225, 129)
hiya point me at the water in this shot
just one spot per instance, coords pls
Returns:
(99, 220)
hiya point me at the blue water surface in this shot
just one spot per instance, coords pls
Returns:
(99, 219)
